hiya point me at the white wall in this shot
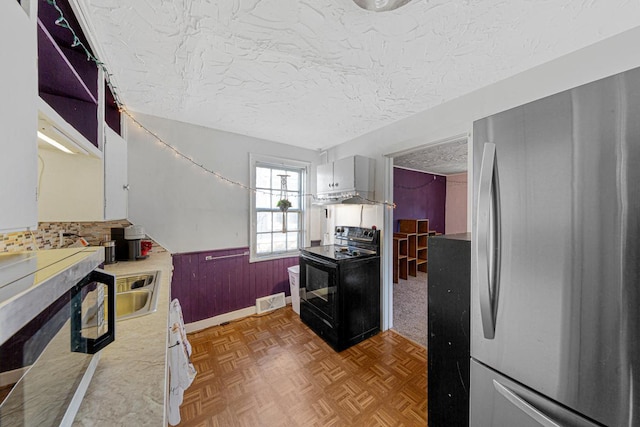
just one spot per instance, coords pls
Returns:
(184, 208)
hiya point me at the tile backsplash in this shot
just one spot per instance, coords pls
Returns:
(48, 235)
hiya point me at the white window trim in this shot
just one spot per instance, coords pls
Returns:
(304, 203)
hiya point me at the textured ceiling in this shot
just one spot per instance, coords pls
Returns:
(317, 73)
(442, 159)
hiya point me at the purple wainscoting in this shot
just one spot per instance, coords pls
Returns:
(226, 282)
(420, 195)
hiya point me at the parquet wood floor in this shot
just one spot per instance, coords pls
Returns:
(272, 370)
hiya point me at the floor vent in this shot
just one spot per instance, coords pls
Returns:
(270, 303)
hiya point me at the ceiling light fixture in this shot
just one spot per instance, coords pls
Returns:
(53, 142)
(380, 5)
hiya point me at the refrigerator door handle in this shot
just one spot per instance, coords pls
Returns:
(488, 239)
(524, 406)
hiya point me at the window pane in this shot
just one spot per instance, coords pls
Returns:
(293, 182)
(263, 200)
(263, 177)
(292, 240)
(294, 199)
(275, 197)
(279, 242)
(275, 179)
(263, 242)
(264, 223)
(292, 221)
(277, 221)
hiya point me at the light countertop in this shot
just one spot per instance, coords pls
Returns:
(130, 382)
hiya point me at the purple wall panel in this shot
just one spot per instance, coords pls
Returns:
(419, 195)
(263, 277)
(207, 288)
(205, 292)
(182, 274)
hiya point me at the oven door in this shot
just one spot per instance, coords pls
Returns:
(47, 365)
(318, 287)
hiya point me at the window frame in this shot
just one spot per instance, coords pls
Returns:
(257, 160)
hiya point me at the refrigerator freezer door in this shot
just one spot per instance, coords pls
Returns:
(496, 401)
(567, 322)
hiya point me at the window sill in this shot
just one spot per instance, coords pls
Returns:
(254, 258)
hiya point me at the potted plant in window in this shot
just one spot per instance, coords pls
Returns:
(284, 205)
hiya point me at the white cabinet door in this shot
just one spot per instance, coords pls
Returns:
(115, 176)
(324, 178)
(18, 120)
(344, 174)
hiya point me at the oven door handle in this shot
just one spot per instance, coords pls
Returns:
(320, 261)
(79, 343)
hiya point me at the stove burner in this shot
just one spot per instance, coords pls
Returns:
(346, 253)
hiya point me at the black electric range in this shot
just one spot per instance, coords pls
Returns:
(340, 287)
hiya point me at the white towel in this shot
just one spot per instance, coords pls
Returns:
(181, 369)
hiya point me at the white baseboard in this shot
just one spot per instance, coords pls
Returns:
(226, 317)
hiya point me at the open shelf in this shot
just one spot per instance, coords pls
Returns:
(414, 234)
(57, 75)
(67, 80)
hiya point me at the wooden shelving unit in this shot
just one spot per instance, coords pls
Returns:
(400, 251)
(410, 248)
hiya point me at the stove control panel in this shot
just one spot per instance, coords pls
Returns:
(355, 235)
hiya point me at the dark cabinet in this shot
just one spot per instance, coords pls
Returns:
(448, 341)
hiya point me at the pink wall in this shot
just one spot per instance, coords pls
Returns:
(456, 204)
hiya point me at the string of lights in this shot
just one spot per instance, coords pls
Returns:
(77, 42)
(429, 183)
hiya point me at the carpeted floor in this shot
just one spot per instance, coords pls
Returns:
(410, 308)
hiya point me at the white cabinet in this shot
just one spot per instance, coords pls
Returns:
(324, 178)
(344, 172)
(18, 119)
(350, 175)
(115, 176)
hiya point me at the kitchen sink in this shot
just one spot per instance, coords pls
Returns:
(134, 281)
(136, 294)
(131, 302)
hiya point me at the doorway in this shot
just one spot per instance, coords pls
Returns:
(427, 182)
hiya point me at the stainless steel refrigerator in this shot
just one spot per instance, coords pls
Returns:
(555, 301)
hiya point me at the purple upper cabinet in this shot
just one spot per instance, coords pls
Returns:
(67, 81)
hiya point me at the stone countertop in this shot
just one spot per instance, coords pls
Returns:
(130, 382)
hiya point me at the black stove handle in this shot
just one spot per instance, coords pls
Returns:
(318, 260)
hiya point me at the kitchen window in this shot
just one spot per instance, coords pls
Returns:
(277, 231)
